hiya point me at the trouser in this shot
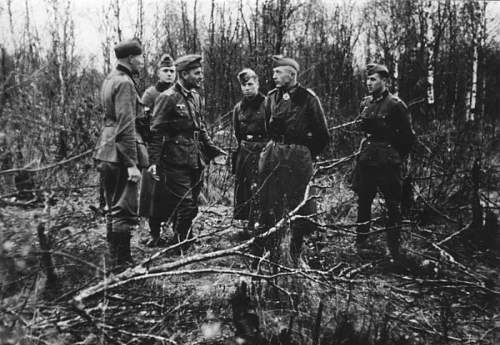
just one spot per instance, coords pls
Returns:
(178, 200)
(285, 170)
(120, 196)
(387, 179)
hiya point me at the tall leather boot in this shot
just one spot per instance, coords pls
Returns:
(109, 227)
(394, 229)
(155, 231)
(123, 256)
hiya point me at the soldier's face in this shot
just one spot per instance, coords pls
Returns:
(166, 74)
(136, 62)
(250, 88)
(282, 76)
(193, 78)
(375, 84)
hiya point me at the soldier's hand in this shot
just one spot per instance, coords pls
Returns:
(134, 175)
(153, 171)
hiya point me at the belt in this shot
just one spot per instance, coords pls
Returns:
(282, 139)
(254, 137)
(188, 135)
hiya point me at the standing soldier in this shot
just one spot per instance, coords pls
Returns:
(120, 150)
(166, 78)
(386, 122)
(181, 147)
(250, 132)
(297, 127)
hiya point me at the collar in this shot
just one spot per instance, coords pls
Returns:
(162, 86)
(380, 97)
(185, 92)
(125, 70)
(253, 102)
(128, 72)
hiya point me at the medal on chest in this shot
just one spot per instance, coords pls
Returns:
(286, 96)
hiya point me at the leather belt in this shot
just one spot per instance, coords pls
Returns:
(254, 137)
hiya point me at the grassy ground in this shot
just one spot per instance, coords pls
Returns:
(443, 295)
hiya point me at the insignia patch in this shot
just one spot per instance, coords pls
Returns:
(286, 96)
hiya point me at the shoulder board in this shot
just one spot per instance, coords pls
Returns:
(396, 99)
(311, 92)
(272, 91)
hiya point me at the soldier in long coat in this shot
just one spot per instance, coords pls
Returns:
(166, 79)
(250, 132)
(120, 150)
(180, 147)
(296, 126)
(389, 138)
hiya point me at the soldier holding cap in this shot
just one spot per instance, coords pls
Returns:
(180, 148)
(166, 79)
(120, 150)
(389, 138)
(296, 125)
(250, 132)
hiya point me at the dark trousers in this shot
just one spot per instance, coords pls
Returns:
(386, 179)
(120, 196)
(285, 170)
(178, 201)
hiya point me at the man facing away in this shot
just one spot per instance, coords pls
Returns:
(120, 150)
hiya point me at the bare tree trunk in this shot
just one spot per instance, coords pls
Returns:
(429, 41)
(117, 19)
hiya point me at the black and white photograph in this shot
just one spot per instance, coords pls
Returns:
(249, 172)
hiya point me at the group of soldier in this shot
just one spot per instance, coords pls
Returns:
(160, 143)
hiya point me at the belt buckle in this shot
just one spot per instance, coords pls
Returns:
(249, 136)
(196, 135)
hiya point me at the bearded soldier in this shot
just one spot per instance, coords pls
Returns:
(180, 147)
(296, 125)
(389, 138)
(120, 150)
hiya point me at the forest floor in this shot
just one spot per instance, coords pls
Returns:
(444, 293)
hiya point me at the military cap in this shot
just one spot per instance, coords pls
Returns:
(373, 68)
(165, 61)
(127, 48)
(187, 62)
(280, 60)
(246, 74)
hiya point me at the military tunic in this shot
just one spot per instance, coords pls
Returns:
(250, 132)
(296, 124)
(120, 147)
(181, 148)
(147, 182)
(389, 140)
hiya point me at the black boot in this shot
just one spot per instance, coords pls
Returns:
(109, 227)
(123, 256)
(155, 231)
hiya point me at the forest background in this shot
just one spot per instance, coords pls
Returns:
(444, 58)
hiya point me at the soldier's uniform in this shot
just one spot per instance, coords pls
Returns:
(297, 127)
(147, 182)
(120, 147)
(180, 148)
(250, 132)
(389, 139)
